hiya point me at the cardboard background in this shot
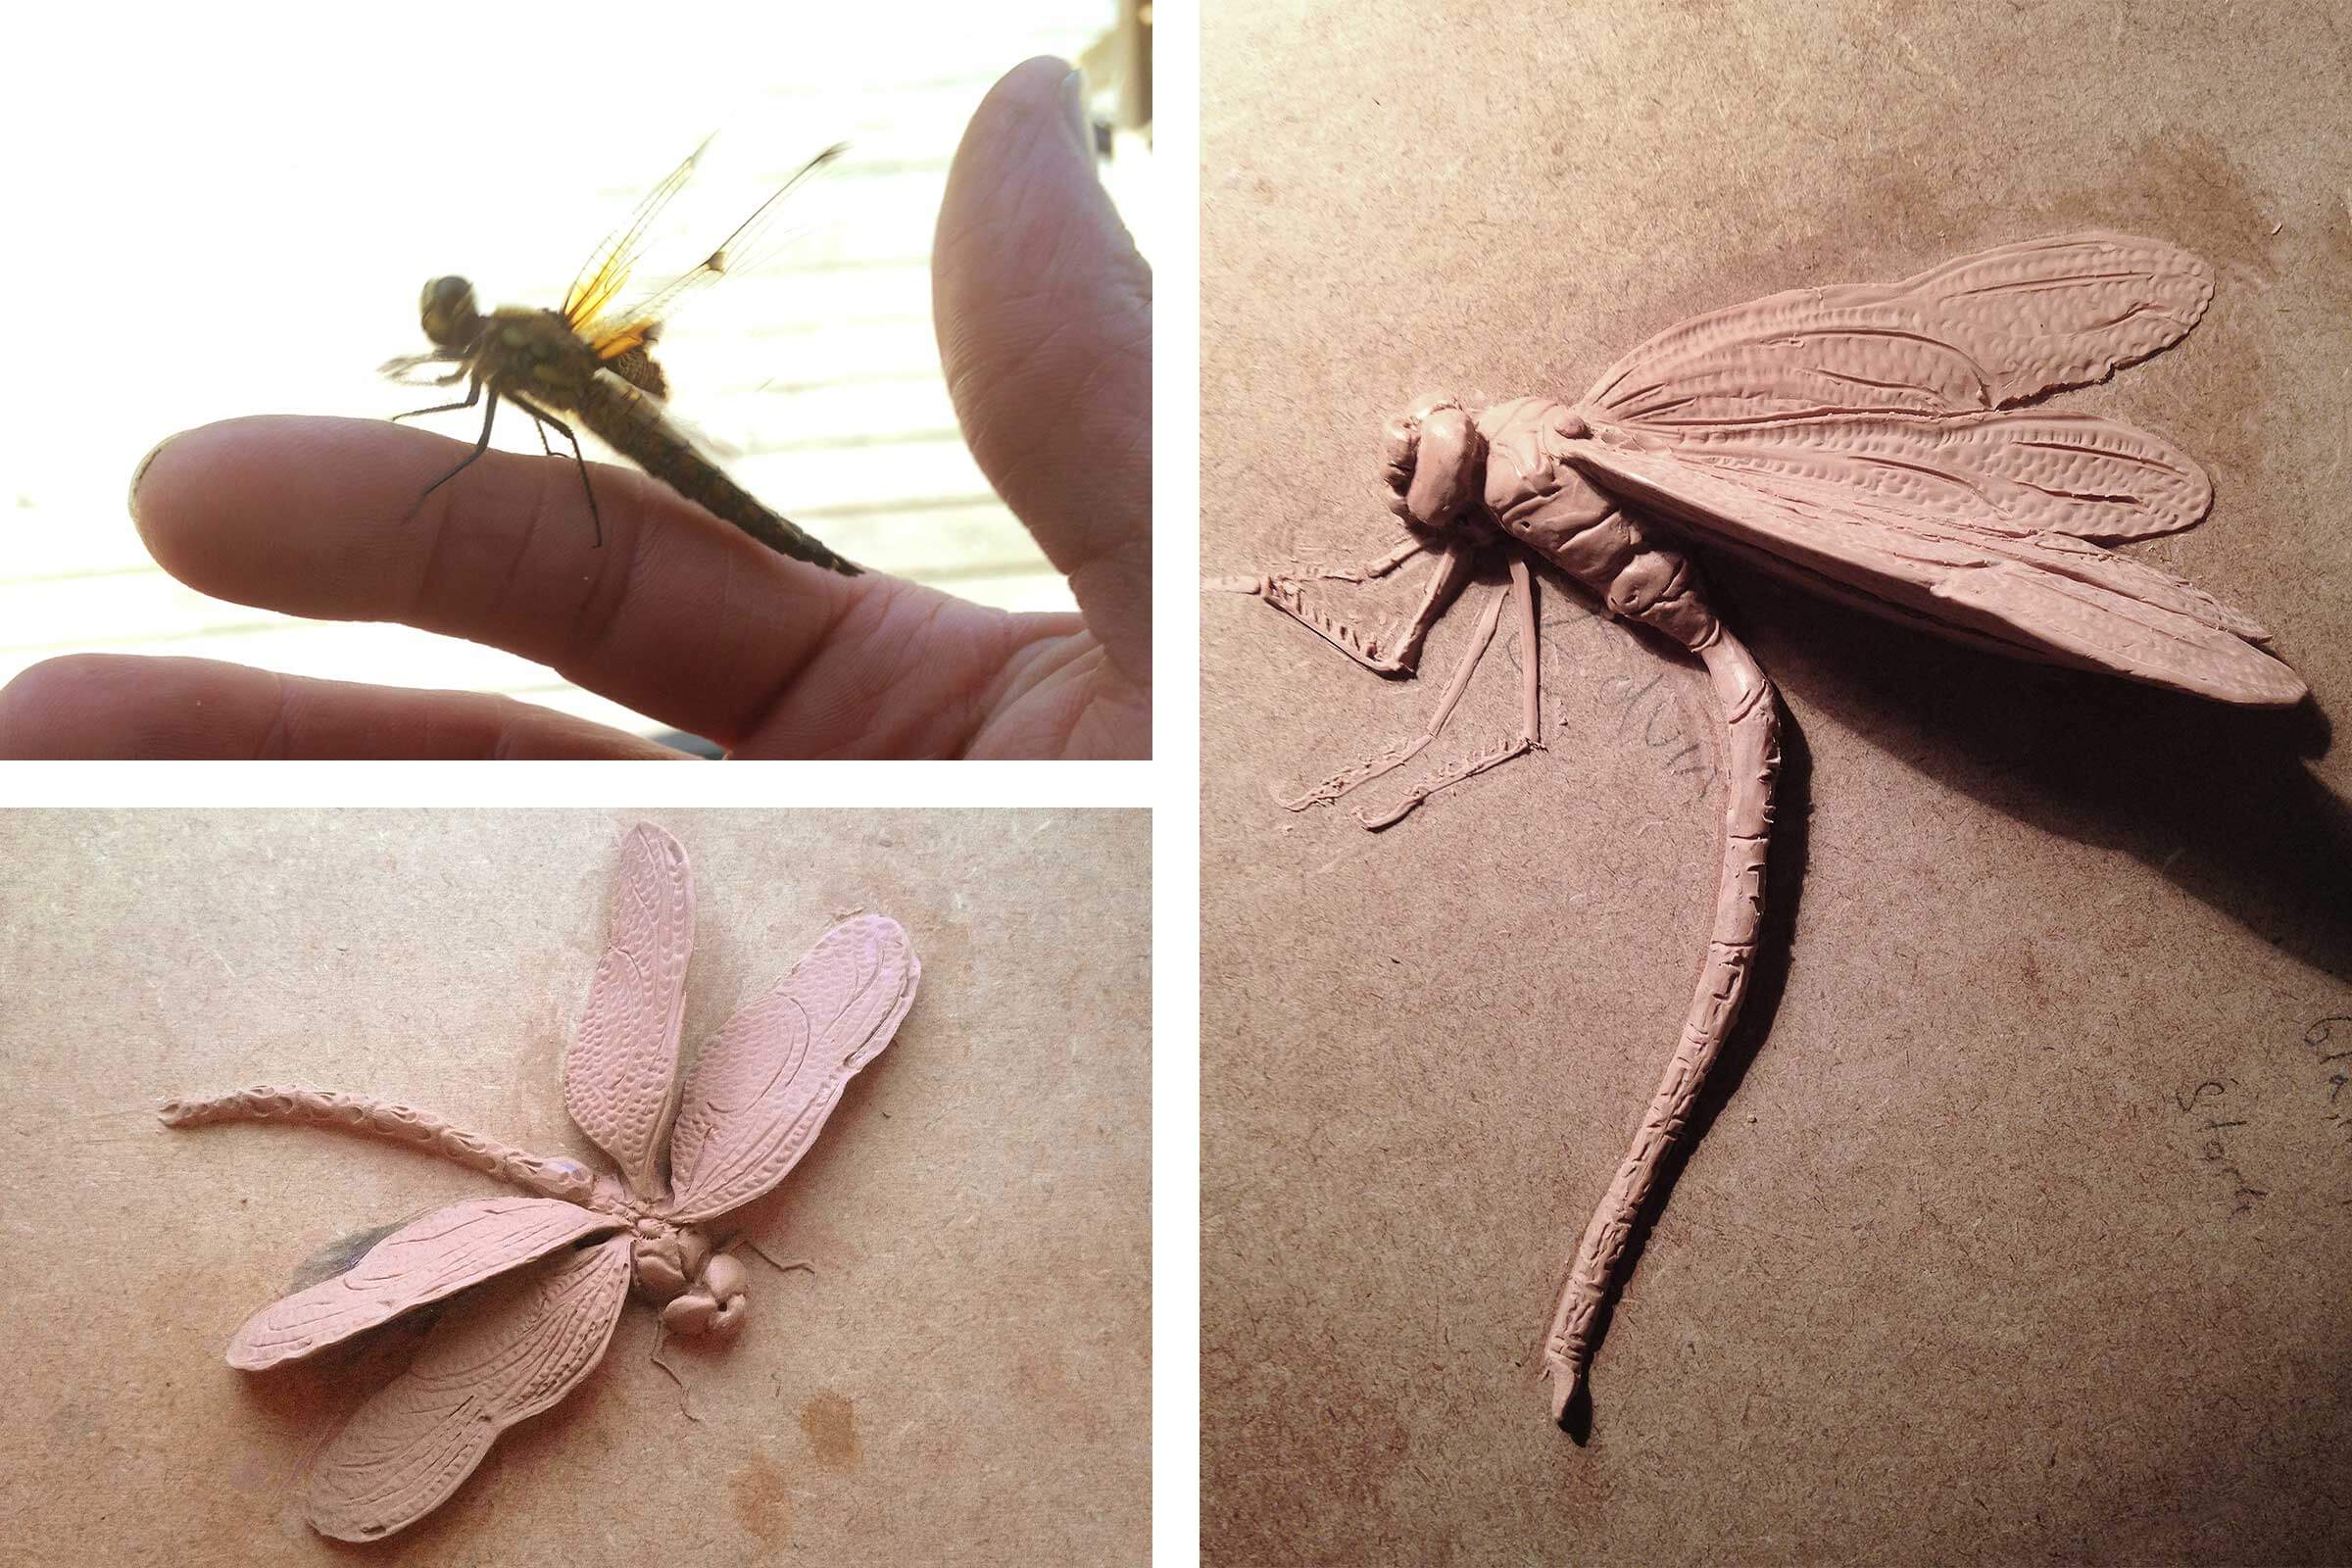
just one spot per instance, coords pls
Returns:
(1964, 1268)
(963, 1380)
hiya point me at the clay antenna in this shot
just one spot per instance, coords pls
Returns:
(1866, 441)
(545, 1276)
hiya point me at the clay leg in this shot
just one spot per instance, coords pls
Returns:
(1521, 595)
(1531, 718)
(1455, 567)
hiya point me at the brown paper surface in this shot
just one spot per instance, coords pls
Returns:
(964, 1379)
(2024, 1234)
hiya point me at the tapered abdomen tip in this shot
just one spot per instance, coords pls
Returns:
(1566, 1380)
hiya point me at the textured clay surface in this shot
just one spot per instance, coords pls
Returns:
(975, 1215)
(2020, 1237)
(759, 1095)
(1856, 436)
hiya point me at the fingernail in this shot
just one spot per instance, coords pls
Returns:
(148, 461)
(1073, 103)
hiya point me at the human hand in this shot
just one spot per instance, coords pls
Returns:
(1045, 328)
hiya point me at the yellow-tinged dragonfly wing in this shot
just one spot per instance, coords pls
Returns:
(607, 271)
(635, 324)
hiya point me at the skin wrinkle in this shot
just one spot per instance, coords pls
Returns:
(765, 708)
(280, 724)
(1017, 670)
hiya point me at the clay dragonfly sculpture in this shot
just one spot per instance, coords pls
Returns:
(1866, 441)
(540, 1280)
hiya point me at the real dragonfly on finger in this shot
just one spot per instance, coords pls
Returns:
(1868, 442)
(544, 1278)
(593, 359)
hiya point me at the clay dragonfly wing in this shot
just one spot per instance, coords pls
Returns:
(521, 1348)
(621, 1074)
(760, 1090)
(429, 1260)
(1865, 437)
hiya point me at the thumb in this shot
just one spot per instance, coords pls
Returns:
(1044, 314)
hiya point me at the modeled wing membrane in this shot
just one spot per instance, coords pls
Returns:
(620, 1076)
(1983, 331)
(760, 1092)
(427, 1260)
(493, 1362)
(2045, 594)
(2016, 473)
(1866, 434)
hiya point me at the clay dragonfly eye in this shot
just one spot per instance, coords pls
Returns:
(1433, 460)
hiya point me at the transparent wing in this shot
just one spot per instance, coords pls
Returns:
(760, 1092)
(491, 1363)
(429, 1260)
(1892, 514)
(606, 272)
(636, 324)
(620, 1076)
(1980, 333)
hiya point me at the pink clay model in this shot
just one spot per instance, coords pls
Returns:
(1863, 440)
(749, 1108)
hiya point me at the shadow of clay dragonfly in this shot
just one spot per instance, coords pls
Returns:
(1867, 442)
(553, 1270)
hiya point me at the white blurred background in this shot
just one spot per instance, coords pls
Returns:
(232, 209)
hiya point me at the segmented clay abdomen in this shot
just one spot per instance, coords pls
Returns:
(566, 1179)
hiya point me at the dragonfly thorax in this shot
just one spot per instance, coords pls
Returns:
(700, 1290)
(451, 317)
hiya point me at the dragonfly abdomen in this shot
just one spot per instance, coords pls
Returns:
(633, 425)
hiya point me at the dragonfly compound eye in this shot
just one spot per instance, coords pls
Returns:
(450, 316)
(1434, 462)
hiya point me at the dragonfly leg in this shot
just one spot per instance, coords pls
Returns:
(474, 395)
(1370, 569)
(1521, 595)
(479, 446)
(545, 418)
(685, 1393)
(1530, 707)
(1455, 567)
(801, 1263)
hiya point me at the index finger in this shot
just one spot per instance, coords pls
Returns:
(678, 615)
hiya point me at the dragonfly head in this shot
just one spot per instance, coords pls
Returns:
(451, 318)
(701, 1290)
(1434, 461)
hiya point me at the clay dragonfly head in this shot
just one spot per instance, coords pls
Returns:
(1434, 462)
(545, 1277)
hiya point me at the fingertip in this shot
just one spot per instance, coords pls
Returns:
(260, 510)
(94, 707)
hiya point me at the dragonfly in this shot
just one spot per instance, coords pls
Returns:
(536, 1284)
(593, 359)
(1870, 442)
